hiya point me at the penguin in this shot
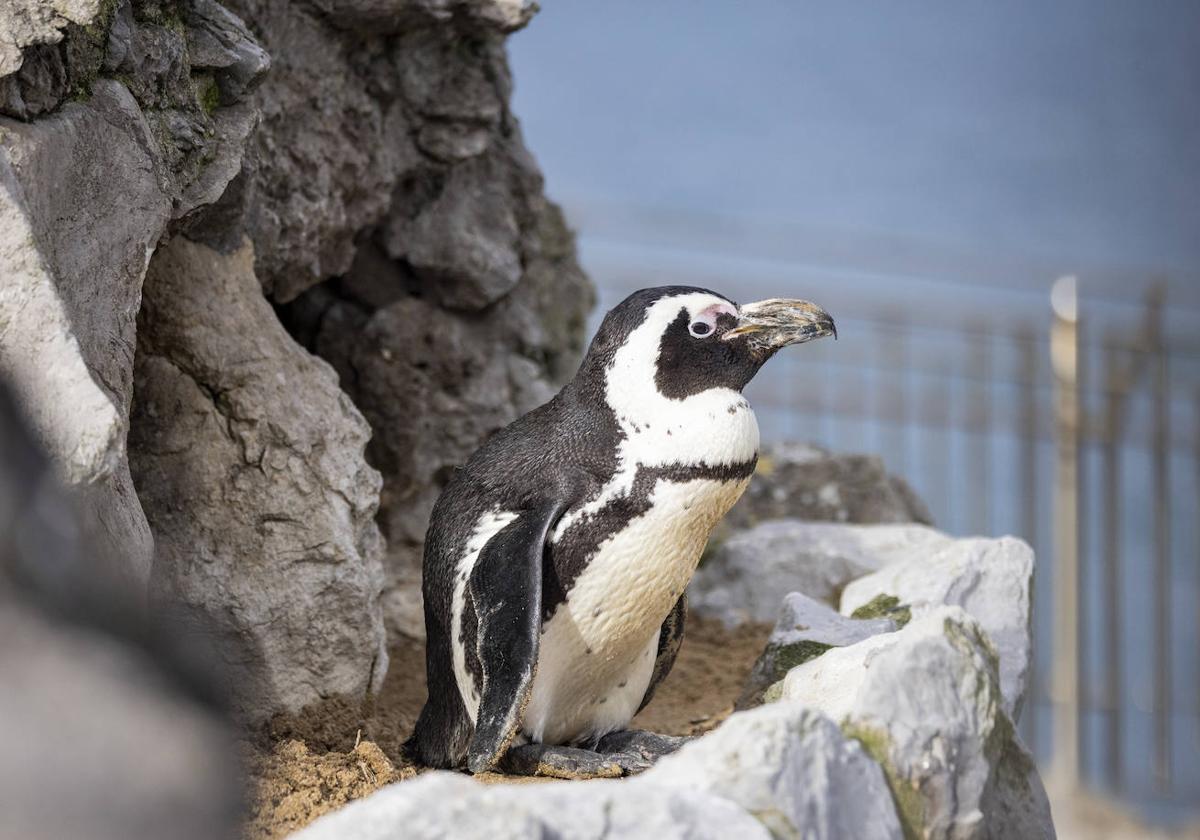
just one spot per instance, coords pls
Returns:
(557, 557)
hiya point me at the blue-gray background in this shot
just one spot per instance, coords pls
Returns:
(936, 164)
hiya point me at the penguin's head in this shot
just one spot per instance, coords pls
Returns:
(684, 341)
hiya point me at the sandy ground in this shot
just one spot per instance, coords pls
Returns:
(308, 764)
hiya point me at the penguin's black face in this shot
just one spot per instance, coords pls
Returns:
(683, 341)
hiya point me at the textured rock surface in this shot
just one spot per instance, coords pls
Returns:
(443, 804)
(792, 769)
(990, 579)
(925, 702)
(249, 462)
(805, 629)
(86, 193)
(26, 22)
(742, 578)
(801, 481)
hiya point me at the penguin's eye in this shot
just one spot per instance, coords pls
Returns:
(699, 329)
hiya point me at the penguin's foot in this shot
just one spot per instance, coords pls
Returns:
(559, 762)
(637, 750)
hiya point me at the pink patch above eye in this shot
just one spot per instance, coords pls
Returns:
(709, 314)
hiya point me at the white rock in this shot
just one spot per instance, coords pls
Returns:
(439, 805)
(744, 576)
(989, 578)
(806, 628)
(793, 769)
(926, 703)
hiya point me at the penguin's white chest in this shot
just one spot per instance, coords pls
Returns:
(597, 652)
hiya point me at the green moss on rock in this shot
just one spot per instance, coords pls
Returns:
(910, 805)
(885, 606)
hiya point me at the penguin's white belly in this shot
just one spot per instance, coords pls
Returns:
(597, 652)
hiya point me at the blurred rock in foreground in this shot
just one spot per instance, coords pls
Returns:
(105, 728)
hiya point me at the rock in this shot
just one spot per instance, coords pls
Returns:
(925, 702)
(86, 193)
(800, 481)
(77, 254)
(249, 462)
(103, 735)
(792, 769)
(989, 578)
(26, 22)
(806, 628)
(441, 804)
(741, 579)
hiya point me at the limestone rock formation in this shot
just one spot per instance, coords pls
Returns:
(441, 804)
(86, 192)
(805, 629)
(990, 579)
(742, 578)
(925, 702)
(801, 481)
(249, 462)
(792, 769)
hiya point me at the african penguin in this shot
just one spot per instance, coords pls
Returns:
(557, 557)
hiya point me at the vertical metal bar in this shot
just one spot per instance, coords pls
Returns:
(1064, 356)
(1028, 436)
(979, 429)
(1114, 428)
(1162, 549)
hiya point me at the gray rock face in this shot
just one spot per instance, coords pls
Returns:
(438, 805)
(800, 481)
(925, 702)
(990, 579)
(77, 256)
(249, 462)
(792, 769)
(85, 195)
(741, 579)
(806, 628)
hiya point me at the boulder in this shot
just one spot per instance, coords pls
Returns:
(802, 481)
(438, 805)
(925, 702)
(105, 735)
(742, 578)
(791, 768)
(991, 579)
(806, 628)
(249, 462)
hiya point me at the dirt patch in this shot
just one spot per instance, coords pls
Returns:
(316, 761)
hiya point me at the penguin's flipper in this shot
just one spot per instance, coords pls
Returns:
(506, 589)
(670, 636)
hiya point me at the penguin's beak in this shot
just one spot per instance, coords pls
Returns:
(771, 324)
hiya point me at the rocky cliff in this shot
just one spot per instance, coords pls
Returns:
(271, 269)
